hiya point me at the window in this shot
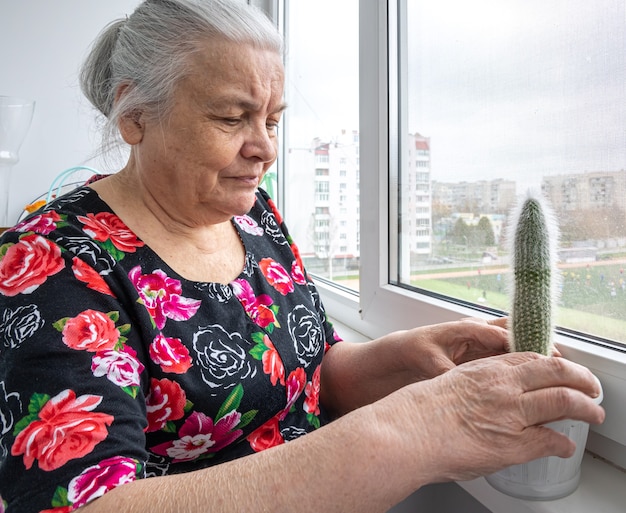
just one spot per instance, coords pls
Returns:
(396, 128)
(532, 93)
(322, 136)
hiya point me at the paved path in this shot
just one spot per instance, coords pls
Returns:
(505, 269)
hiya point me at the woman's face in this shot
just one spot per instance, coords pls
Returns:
(203, 162)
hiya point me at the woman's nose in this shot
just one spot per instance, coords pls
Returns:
(261, 143)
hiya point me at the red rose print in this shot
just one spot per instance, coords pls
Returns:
(296, 251)
(97, 480)
(88, 275)
(27, 264)
(90, 331)
(292, 244)
(65, 429)
(272, 363)
(165, 402)
(170, 354)
(295, 386)
(312, 393)
(266, 436)
(276, 275)
(257, 307)
(105, 226)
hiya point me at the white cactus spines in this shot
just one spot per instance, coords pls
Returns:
(533, 238)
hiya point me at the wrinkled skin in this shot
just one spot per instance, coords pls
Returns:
(488, 413)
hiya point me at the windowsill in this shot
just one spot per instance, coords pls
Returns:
(601, 486)
(601, 489)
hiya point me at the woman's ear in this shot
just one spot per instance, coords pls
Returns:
(131, 125)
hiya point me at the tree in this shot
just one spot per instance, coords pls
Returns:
(485, 231)
(460, 232)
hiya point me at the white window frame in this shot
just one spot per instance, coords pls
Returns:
(381, 307)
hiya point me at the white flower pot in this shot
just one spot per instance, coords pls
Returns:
(550, 477)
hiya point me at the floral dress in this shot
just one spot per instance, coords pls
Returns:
(115, 368)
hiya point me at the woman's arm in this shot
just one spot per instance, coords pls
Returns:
(446, 428)
(355, 374)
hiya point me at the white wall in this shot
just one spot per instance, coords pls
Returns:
(42, 45)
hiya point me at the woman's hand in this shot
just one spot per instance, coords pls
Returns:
(489, 413)
(432, 350)
(356, 374)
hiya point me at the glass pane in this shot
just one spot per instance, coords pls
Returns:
(321, 204)
(500, 97)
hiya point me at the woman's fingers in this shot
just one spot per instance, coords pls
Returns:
(502, 322)
(550, 404)
(554, 389)
(538, 372)
(541, 440)
(494, 411)
(470, 339)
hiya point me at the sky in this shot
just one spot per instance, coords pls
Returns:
(322, 69)
(520, 87)
(504, 88)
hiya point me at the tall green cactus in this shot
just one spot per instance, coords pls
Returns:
(535, 277)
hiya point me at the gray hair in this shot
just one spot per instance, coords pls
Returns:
(150, 51)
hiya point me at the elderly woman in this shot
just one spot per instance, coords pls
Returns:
(162, 341)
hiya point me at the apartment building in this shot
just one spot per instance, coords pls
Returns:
(586, 191)
(324, 215)
(479, 197)
(416, 196)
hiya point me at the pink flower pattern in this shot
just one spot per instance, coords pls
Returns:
(257, 307)
(43, 224)
(95, 481)
(161, 296)
(194, 380)
(248, 225)
(297, 273)
(200, 435)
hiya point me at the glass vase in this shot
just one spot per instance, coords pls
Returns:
(15, 118)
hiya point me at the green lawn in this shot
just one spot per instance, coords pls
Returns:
(593, 299)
